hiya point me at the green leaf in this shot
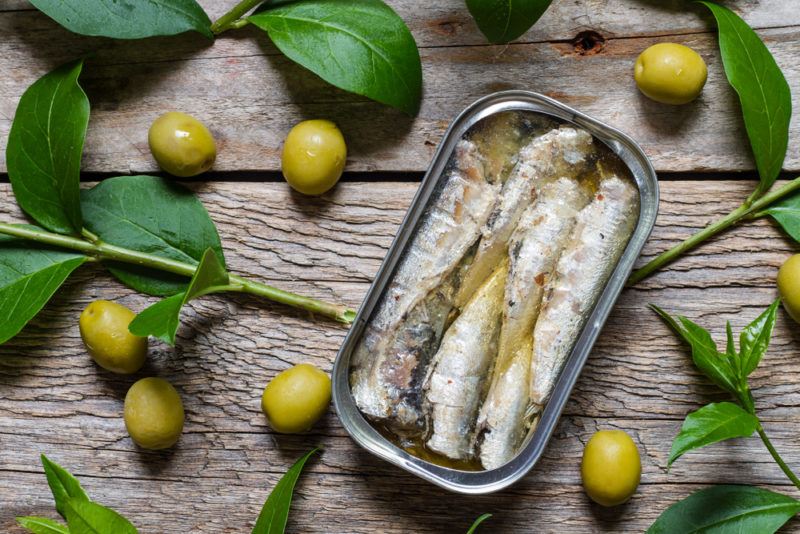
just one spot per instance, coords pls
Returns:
(730, 349)
(716, 366)
(29, 276)
(754, 339)
(727, 510)
(161, 320)
(710, 424)
(361, 46)
(763, 92)
(87, 517)
(502, 21)
(64, 486)
(787, 213)
(481, 519)
(44, 149)
(127, 19)
(155, 216)
(274, 514)
(42, 525)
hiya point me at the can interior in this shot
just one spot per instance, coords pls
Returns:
(485, 481)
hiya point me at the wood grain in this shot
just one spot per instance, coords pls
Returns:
(250, 95)
(53, 399)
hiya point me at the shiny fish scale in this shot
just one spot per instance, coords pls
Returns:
(447, 232)
(534, 249)
(563, 151)
(461, 366)
(601, 232)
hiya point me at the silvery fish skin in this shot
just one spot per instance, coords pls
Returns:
(534, 249)
(460, 368)
(600, 235)
(564, 151)
(405, 329)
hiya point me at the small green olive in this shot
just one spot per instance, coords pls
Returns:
(789, 286)
(313, 158)
(104, 330)
(181, 144)
(153, 413)
(670, 73)
(611, 467)
(296, 398)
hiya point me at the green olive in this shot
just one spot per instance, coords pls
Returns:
(153, 413)
(789, 286)
(313, 156)
(181, 144)
(670, 73)
(296, 398)
(104, 330)
(611, 467)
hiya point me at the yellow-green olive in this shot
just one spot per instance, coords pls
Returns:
(611, 467)
(670, 73)
(104, 330)
(313, 156)
(153, 413)
(789, 286)
(181, 144)
(296, 398)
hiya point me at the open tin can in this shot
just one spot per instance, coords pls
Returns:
(487, 481)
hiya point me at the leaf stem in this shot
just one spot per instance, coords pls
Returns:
(233, 18)
(777, 457)
(748, 210)
(105, 251)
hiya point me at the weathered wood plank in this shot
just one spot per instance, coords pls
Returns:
(395, 503)
(214, 455)
(54, 400)
(387, 501)
(250, 96)
(448, 21)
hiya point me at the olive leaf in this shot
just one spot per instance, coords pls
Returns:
(127, 20)
(716, 366)
(42, 525)
(754, 339)
(502, 21)
(478, 521)
(730, 348)
(161, 320)
(154, 216)
(275, 512)
(710, 424)
(44, 149)
(762, 88)
(29, 276)
(82, 514)
(63, 485)
(786, 212)
(727, 510)
(87, 517)
(361, 46)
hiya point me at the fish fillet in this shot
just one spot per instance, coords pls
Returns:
(388, 364)
(560, 152)
(461, 366)
(533, 250)
(600, 235)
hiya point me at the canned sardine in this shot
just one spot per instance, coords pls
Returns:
(508, 262)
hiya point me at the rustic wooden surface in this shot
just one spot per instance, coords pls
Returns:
(54, 400)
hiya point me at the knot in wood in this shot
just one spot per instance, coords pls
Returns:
(588, 43)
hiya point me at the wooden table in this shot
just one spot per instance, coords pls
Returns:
(54, 400)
